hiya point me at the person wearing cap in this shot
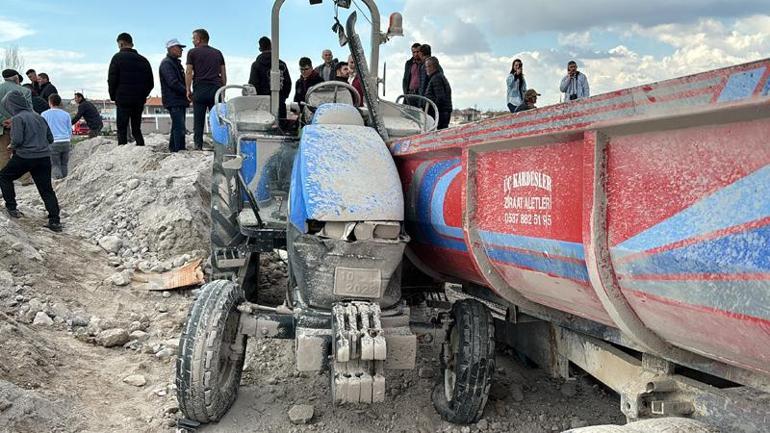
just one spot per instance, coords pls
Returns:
(174, 93)
(530, 99)
(11, 80)
(204, 75)
(129, 82)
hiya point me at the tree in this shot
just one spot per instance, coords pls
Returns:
(12, 59)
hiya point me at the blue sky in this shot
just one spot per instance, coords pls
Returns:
(617, 43)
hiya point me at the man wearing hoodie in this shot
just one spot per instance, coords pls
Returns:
(260, 75)
(30, 142)
(10, 83)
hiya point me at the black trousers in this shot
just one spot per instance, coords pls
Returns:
(133, 114)
(40, 169)
(443, 119)
(203, 99)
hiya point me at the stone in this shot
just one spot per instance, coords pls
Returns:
(165, 353)
(42, 319)
(135, 380)
(60, 311)
(133, 184)
(576, 422)
(465, 429)
(17, 246)
(301, 413)
(36, 305)
(4, 404)
(569, 389)
(138, 335)
(517, 392)
(111, 244)
(482, 425)
(108, 166)
(79, 321)
(425, 372)
(113, 337)
(166, 294)
(120, 279)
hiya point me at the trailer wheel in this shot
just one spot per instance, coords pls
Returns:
(211, 353)
(225, 232)
(468, 360)
(654, 425)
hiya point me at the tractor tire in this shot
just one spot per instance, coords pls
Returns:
(225, 194)
(654, 425)
(468, 360)
(208, 370)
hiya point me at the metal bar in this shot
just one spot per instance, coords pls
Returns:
(275, 74)
(252, 199)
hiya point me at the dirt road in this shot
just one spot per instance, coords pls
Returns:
(86, 347)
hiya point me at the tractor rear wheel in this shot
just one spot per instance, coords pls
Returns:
(211, 353)
(468, 360)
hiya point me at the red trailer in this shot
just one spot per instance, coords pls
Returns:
(628, 233)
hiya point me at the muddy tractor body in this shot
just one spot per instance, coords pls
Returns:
(625, 234)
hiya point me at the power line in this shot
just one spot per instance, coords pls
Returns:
(355, 3)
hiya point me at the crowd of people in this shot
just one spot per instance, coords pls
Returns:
(35, 132)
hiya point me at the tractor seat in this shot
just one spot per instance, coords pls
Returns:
(251, 113)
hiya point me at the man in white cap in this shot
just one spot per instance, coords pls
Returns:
(174, 92)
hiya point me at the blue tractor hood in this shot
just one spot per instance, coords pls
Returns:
(344, 173)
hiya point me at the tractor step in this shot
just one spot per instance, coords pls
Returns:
(359, 350)
(229, 258)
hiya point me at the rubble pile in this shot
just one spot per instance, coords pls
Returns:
(146, 207)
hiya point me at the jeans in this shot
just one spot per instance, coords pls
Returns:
(60, 158)
(203, 99)
(176, 141)
(94, 132)
(40, 168)
(132, 113)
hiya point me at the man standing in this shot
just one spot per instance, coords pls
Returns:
(9, 84)
(411, 81)
(88, 111)
(34, 85)
(327, 69)
(575, 84)
(439, 91)
(425, 52)
(58, 122)
(307, 79)
(130, 81)
(530, 99)
(205, 74)
(30, 141)
(354, 79)
(46, 88)
(174, 93)
(260, 75)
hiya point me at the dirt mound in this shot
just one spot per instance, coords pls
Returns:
(147, 207)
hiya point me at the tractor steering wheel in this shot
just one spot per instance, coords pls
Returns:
(334, 84)
(426, 107)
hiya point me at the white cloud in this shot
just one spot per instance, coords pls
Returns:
(13, 30)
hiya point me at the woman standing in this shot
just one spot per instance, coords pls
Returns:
(517, 85)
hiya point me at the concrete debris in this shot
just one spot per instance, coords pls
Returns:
(42, 319)
(111, 244)
(120, 279)
(569, 388)
(301, 413)
(112, 337)
(135, 380)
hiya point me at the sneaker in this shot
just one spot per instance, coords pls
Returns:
(15, 213)
(54, 227)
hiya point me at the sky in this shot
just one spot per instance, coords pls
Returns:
(617, 43)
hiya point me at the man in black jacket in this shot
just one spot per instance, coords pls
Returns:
(174, 93)
(307, 79)
(46, 88)
(129, 81)
(88, 111)
(38, 104)
(439, 91)
(260, 75)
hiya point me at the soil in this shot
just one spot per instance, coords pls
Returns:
(82, 352)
